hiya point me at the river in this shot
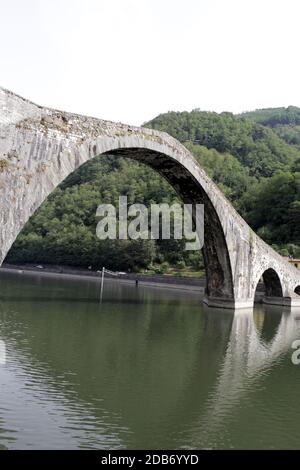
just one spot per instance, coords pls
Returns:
(148, 368)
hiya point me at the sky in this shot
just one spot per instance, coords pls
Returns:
(130, 60)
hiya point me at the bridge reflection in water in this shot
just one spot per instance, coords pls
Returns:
(250, 355)
(148, 368)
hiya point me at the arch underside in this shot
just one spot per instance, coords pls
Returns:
(272, 283)
(271, 290)
(274, 292)
(219, 282)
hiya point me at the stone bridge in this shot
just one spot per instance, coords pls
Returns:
(40, 147)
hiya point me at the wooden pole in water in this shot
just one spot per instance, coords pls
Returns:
(102, 283)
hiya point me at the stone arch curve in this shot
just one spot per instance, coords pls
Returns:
(297, 290)
(40, 147)
(52, 145)
(272, 283)
(190, 188)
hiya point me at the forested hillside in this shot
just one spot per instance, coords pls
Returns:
(257, 167)
(284, 121)
(254, 146)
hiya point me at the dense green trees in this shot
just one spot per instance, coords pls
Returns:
(284, 121)
(257, 170)
(231, 176)
(255, 166)
(273, 208)
(256, 147)
(63, 230)
(273, 117)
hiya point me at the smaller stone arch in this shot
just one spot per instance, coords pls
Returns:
(270, 288)
(297, 290)
(273, 287)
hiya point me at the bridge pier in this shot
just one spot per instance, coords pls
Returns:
(219, 302)
(223, 302)
(284, 301)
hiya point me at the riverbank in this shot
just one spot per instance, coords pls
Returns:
(159, 281)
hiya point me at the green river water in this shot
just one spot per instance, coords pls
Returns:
(148, 368)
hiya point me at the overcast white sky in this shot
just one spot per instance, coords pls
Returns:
(129, 60)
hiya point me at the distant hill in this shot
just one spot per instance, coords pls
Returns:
(256, 147)
(284, 121)
(273, 117)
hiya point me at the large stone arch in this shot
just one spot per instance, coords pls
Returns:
(190, 189)
(40, 147)
(178, 174)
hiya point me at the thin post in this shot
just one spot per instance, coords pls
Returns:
(102, 283)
